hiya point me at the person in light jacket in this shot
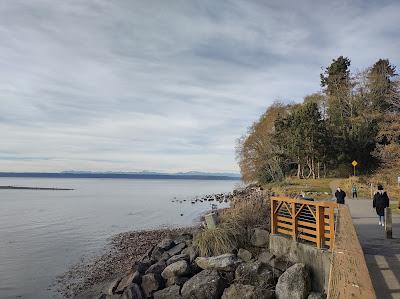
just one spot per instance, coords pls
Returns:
(354, 191)
(380, 202)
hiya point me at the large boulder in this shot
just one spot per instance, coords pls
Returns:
(157, 267)
(168, 293)
(205, 285)
(244, 254)
(265, 256)
(166, 244)
(132, 277)
(141, 266)
(224, 262)
(192, 251)
(176, 249)
(178, 257)
(179, 268)
(241, 291)
(176, 280)
(157, 253)
(150, 283)
(256, 274)
(295, 283)
(133, 292)
(259, 238)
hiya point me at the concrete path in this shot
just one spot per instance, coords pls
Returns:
(382, 255)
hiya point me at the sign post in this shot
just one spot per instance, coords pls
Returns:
(354, 163)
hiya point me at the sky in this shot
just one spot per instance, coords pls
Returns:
(128, 85)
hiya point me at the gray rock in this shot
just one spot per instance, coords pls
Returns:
(192, 251)
(244, 254)
(166, 244)
(205, 285)
(224, 262)
(265, 257)
(240, 291)
(165, 256)
(178, 257)
(133, 292)
(168, 293)
(178, 280)
(109, 289)
(184, 238)
(315, 295)
(295, 283)
(256, 274)
(150, 283)
(179, 268)
(259, 238)
(141, 266)
(280, 264)
(157, 267)
(157, 253)
(127, 281)
(176, 249)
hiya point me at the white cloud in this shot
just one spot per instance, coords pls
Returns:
(131, 85)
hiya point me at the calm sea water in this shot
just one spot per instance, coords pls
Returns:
(42, 233)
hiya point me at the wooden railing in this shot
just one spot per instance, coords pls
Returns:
(349, 276)
(304, 220)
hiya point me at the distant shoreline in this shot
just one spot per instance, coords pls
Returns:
(143, 176)
(32, 188)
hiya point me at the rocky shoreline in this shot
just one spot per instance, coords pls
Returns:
(84, 278)
(231, 260)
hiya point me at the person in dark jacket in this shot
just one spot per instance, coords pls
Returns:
(340, 195)
(380, 202)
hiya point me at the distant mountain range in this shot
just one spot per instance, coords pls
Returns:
(191, 175)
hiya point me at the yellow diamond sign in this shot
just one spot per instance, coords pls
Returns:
(354, 163)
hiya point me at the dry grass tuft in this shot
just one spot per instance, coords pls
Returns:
(248, 213)
(222, 239)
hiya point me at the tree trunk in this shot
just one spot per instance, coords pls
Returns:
(318, 167)
(298, 169)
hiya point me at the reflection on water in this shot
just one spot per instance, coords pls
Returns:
(43, 232)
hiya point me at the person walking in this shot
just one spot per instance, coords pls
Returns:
(380, 202)
(354, 191)
(340, 195)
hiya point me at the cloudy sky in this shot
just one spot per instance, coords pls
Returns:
(127, 85)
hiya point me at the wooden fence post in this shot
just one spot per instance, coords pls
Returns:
(331, 227)
(320, 221)
(294, 221)
(273, 217)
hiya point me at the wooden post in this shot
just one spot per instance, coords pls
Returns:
(331, 227)
(320, 221)
(294, 221)
(388, 223)
(273, 216)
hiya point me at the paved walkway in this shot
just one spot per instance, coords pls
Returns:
(382, 255)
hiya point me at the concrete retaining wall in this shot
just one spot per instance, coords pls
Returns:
(318, 261)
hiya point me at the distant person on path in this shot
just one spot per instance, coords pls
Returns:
(380, 202)
(354, 191)
(340, 195)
